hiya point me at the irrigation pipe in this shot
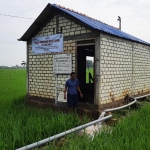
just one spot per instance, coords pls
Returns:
(117, 108)
(49, 139)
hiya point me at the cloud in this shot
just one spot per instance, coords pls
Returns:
(134, 15)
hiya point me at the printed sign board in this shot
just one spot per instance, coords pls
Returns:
(47, 44)
(62, 64)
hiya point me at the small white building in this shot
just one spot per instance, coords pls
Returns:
(121, 61)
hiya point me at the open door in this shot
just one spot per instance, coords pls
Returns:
(85, 72)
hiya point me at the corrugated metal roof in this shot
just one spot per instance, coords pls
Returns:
(96, 24)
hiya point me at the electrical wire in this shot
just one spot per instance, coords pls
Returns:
(16, 17)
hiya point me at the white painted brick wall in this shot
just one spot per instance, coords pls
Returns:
(116, 69)
(41, 66)
(141, 65)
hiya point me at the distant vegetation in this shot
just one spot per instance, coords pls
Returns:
(23, 66)
(89, 64)
(89, 69)
(12, 67)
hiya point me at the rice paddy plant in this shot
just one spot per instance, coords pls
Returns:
(21, 125)
(12, 85)
(131, 133)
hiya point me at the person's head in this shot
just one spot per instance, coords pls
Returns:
(72, 75)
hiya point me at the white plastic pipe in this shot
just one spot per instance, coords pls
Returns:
(117, 108)
(42, 142)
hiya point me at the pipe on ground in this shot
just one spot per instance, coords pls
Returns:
(101, 118)
(49, 139)
(117, 108)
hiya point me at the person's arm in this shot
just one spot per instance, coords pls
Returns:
(79, 91)
(78, 88)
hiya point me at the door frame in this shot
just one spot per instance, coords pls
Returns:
(86, 42)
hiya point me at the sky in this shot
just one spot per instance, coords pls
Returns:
(134, 15)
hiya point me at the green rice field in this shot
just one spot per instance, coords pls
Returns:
(131, 133)
(21, 125)
(90, 70)
(12, 85)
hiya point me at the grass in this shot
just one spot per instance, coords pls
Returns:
(12, 85)
(87, 74)
(131, 133)
(20, 124)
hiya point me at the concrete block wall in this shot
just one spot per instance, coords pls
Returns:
(124, 69)
(68, 27)
(41, 80)
(141, 69)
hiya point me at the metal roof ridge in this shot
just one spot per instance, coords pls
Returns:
(84, 15)
(93, 23)
(109, 29)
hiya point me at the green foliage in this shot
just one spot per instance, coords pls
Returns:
(89, 64)
(148, 99)
(12, 85)
(87, 74)
(20, 124)
(131, 133)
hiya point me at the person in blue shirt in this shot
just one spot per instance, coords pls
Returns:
(72, 88)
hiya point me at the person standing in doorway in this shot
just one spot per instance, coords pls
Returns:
(72, 88)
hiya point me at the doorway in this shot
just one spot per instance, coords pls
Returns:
(85, 72)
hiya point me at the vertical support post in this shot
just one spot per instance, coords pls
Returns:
(149, 69)
(56, 76)
(56, 97)
(57, 24)
(120, 24)
(76, 59)
(132, 86)
(119, 19)
(97, 71)
(27, 67)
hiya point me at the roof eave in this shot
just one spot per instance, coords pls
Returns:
(35, 25)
